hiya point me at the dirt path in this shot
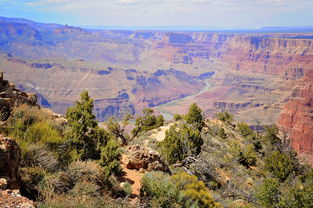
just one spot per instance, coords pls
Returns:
(160, 134)
(133, 177)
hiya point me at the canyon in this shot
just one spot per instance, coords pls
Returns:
(262, 78)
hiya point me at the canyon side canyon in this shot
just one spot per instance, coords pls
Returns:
(262, 78)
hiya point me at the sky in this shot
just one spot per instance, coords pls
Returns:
(150, 13)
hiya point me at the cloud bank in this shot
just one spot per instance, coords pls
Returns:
(208, 13)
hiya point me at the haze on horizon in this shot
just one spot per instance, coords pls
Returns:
(153, 13)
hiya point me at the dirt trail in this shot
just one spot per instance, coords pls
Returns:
(160, 134)
(133, 177)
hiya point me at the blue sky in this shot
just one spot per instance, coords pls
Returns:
(203, 13)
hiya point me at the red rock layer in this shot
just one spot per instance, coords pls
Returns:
(297, 116)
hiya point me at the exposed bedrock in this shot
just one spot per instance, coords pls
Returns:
(297, 116)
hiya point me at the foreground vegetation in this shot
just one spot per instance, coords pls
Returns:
(214, 163)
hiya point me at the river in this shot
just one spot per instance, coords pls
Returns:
(168, 115)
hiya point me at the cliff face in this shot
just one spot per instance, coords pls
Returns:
(297, 116)
(256, 75)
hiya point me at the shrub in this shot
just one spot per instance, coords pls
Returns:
(31, 178)
(177, 117)
(245, 130)
(221, 133)
(268, 193)
(271, 137)
(159, 190)
(247, 156)
(173, 147)
(180, 142)
(280, 165)
(193, 192)
(110, 158)
(225, 117)
(127, 188)
(43, 133)
(147, 122)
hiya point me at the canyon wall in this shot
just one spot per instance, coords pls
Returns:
(255, 75)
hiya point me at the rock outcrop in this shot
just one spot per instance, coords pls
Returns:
(13, 199)
(145, 158)
(10, 157)
(297, 116)
(11, 97)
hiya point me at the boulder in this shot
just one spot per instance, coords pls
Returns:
(145, 158)
(10, 157)
(13, 199)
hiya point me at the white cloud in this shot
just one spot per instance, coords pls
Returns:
(179, 12)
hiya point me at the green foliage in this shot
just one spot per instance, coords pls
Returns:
(225, 117)
(221, 133)
(247, 156)
(83, 126)
(280, 165)
(193, 192)
(110, 157)
(245, 130)
(179, 190)
(147, 122)
(271, 137)
(159, 189)
(194, 116)
(117, 129)
(268, 193)
(127, 188)
(173, 147)
(180, 142)
(177, 117)
(31, 177)
(43, 133)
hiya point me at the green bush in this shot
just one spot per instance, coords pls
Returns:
(245, 130)
(177, 117)
(280, 165)
(110, 158)
(271, 137)
(268, 193)
(180, 142)
(225, 117)
(221, 133)
(43, 133)
(147, 122)
(127, 188)
(31, 177)
(247, 156)
(159, 190)
(192, 192)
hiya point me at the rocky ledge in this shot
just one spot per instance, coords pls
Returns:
(10, 157)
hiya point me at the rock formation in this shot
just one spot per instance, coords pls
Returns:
(10, 157)
(145, 158)
(11, 97)
(297, 116)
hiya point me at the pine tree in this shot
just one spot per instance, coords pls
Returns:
(82, 127)
(194, 116)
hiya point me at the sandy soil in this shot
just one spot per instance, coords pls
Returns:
(160, 134)
(131, 176)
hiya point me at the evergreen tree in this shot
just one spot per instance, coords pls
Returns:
(110, 157)
(194, 116)
(82, 127)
